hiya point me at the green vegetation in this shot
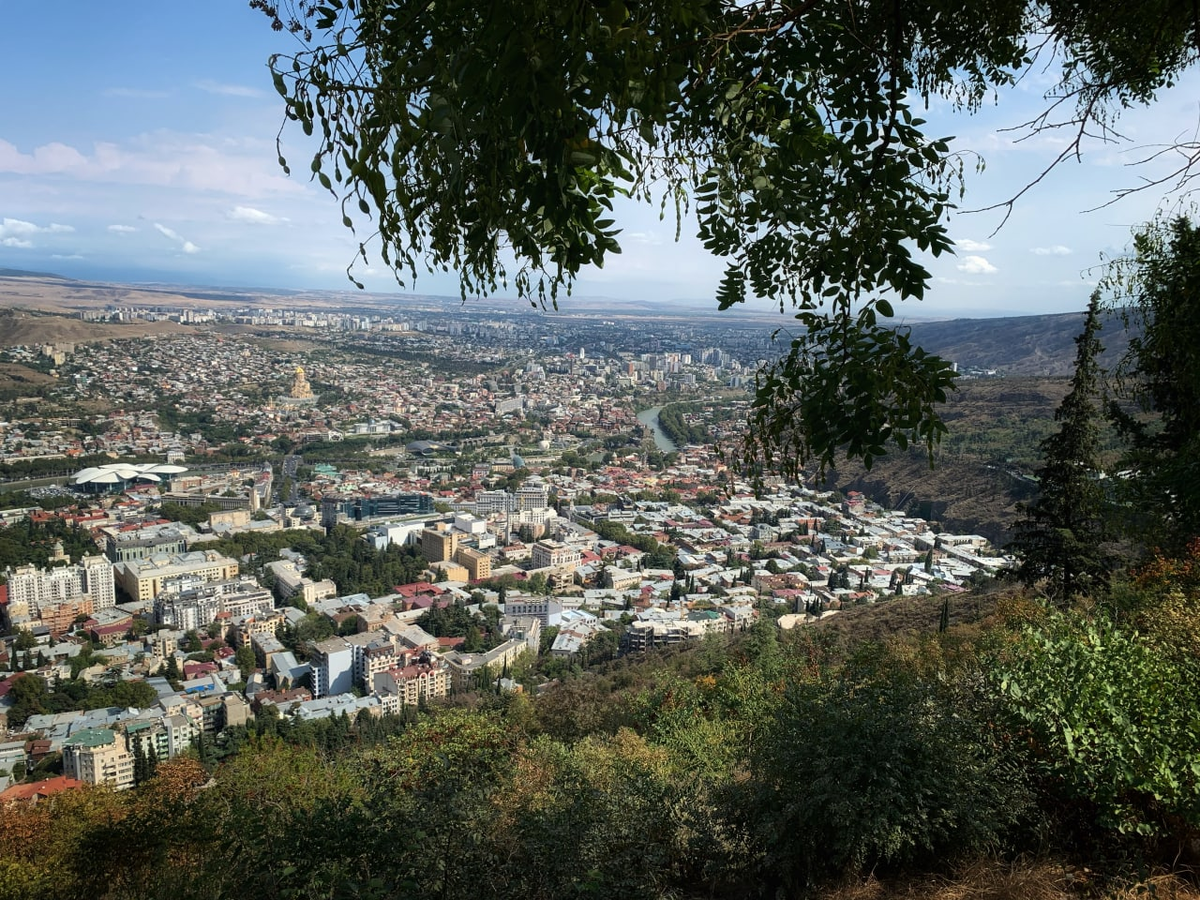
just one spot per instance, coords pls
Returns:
(26, 542)
(658, 556)
(32, 696)
(188, 515)
(480, 634)
(1060, 540)
(671, 421)
(21, 469)
(816, 198)
(341, 556)
(1160, 377)
(770, 766)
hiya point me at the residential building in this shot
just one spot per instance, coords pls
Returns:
(98, 756)
(142, 579)
(467, 669)
(411, 685)
(31, 589)
(332, 662)
(546, 554)
(291, 582)
(532, 495)
(438, 545)
(546, 610)
(477, 563)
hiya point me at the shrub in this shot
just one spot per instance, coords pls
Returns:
(873, 768)
(1113, 721)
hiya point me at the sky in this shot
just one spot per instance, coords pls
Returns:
(137, 143)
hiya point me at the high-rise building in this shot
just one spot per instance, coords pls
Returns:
(42, 589)
(98, 756)
(332, 664)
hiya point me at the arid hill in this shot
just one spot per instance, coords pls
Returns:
(1021, 345)
(25, 327)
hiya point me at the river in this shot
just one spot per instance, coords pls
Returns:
(649, 418)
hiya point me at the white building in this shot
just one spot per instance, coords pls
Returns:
(40, 589)
(332, 664)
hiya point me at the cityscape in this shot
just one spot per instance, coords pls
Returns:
(546, 493)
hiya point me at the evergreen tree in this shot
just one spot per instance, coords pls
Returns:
(141, 769)
(1060, 540)
(1160, 374)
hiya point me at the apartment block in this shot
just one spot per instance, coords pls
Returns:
(98, 756)
(546, 554)
(438, 545)
(32, 589)
(332, 664)
(143, 579)
(477, 563)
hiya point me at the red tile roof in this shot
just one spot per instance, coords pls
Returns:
(39, 790)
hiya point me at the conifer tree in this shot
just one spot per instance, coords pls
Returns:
(1060, 540)
(1159, 377)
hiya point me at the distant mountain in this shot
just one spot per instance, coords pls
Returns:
(1022, 345)
(24, 273)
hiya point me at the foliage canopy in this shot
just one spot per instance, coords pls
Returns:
(1156, 289)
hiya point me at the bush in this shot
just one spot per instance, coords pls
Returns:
(1114, 721)
(877, 768)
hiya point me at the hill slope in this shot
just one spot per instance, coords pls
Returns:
(20, 327)
(1022, 345)
(980, 472)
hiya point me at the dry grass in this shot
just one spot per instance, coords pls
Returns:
(19, 327)
(1021, 880)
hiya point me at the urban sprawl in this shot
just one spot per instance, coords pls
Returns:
(511, 464)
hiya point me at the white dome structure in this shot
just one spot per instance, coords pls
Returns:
(118, 476)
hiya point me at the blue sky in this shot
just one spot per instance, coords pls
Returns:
(137, 142)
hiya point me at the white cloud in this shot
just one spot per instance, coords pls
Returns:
(17, 232)
(976, 265)
(9, 227)
(1056, 250)
(185, 245)
(237, 167)
(65, 256)
(649, 238)
(227, 90)
(252, 216)
(972, 246)
(122, 229)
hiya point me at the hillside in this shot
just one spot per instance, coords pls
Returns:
(1021, 345)
(23, 327)
(980, 472)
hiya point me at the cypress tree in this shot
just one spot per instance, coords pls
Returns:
(1059, 541)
